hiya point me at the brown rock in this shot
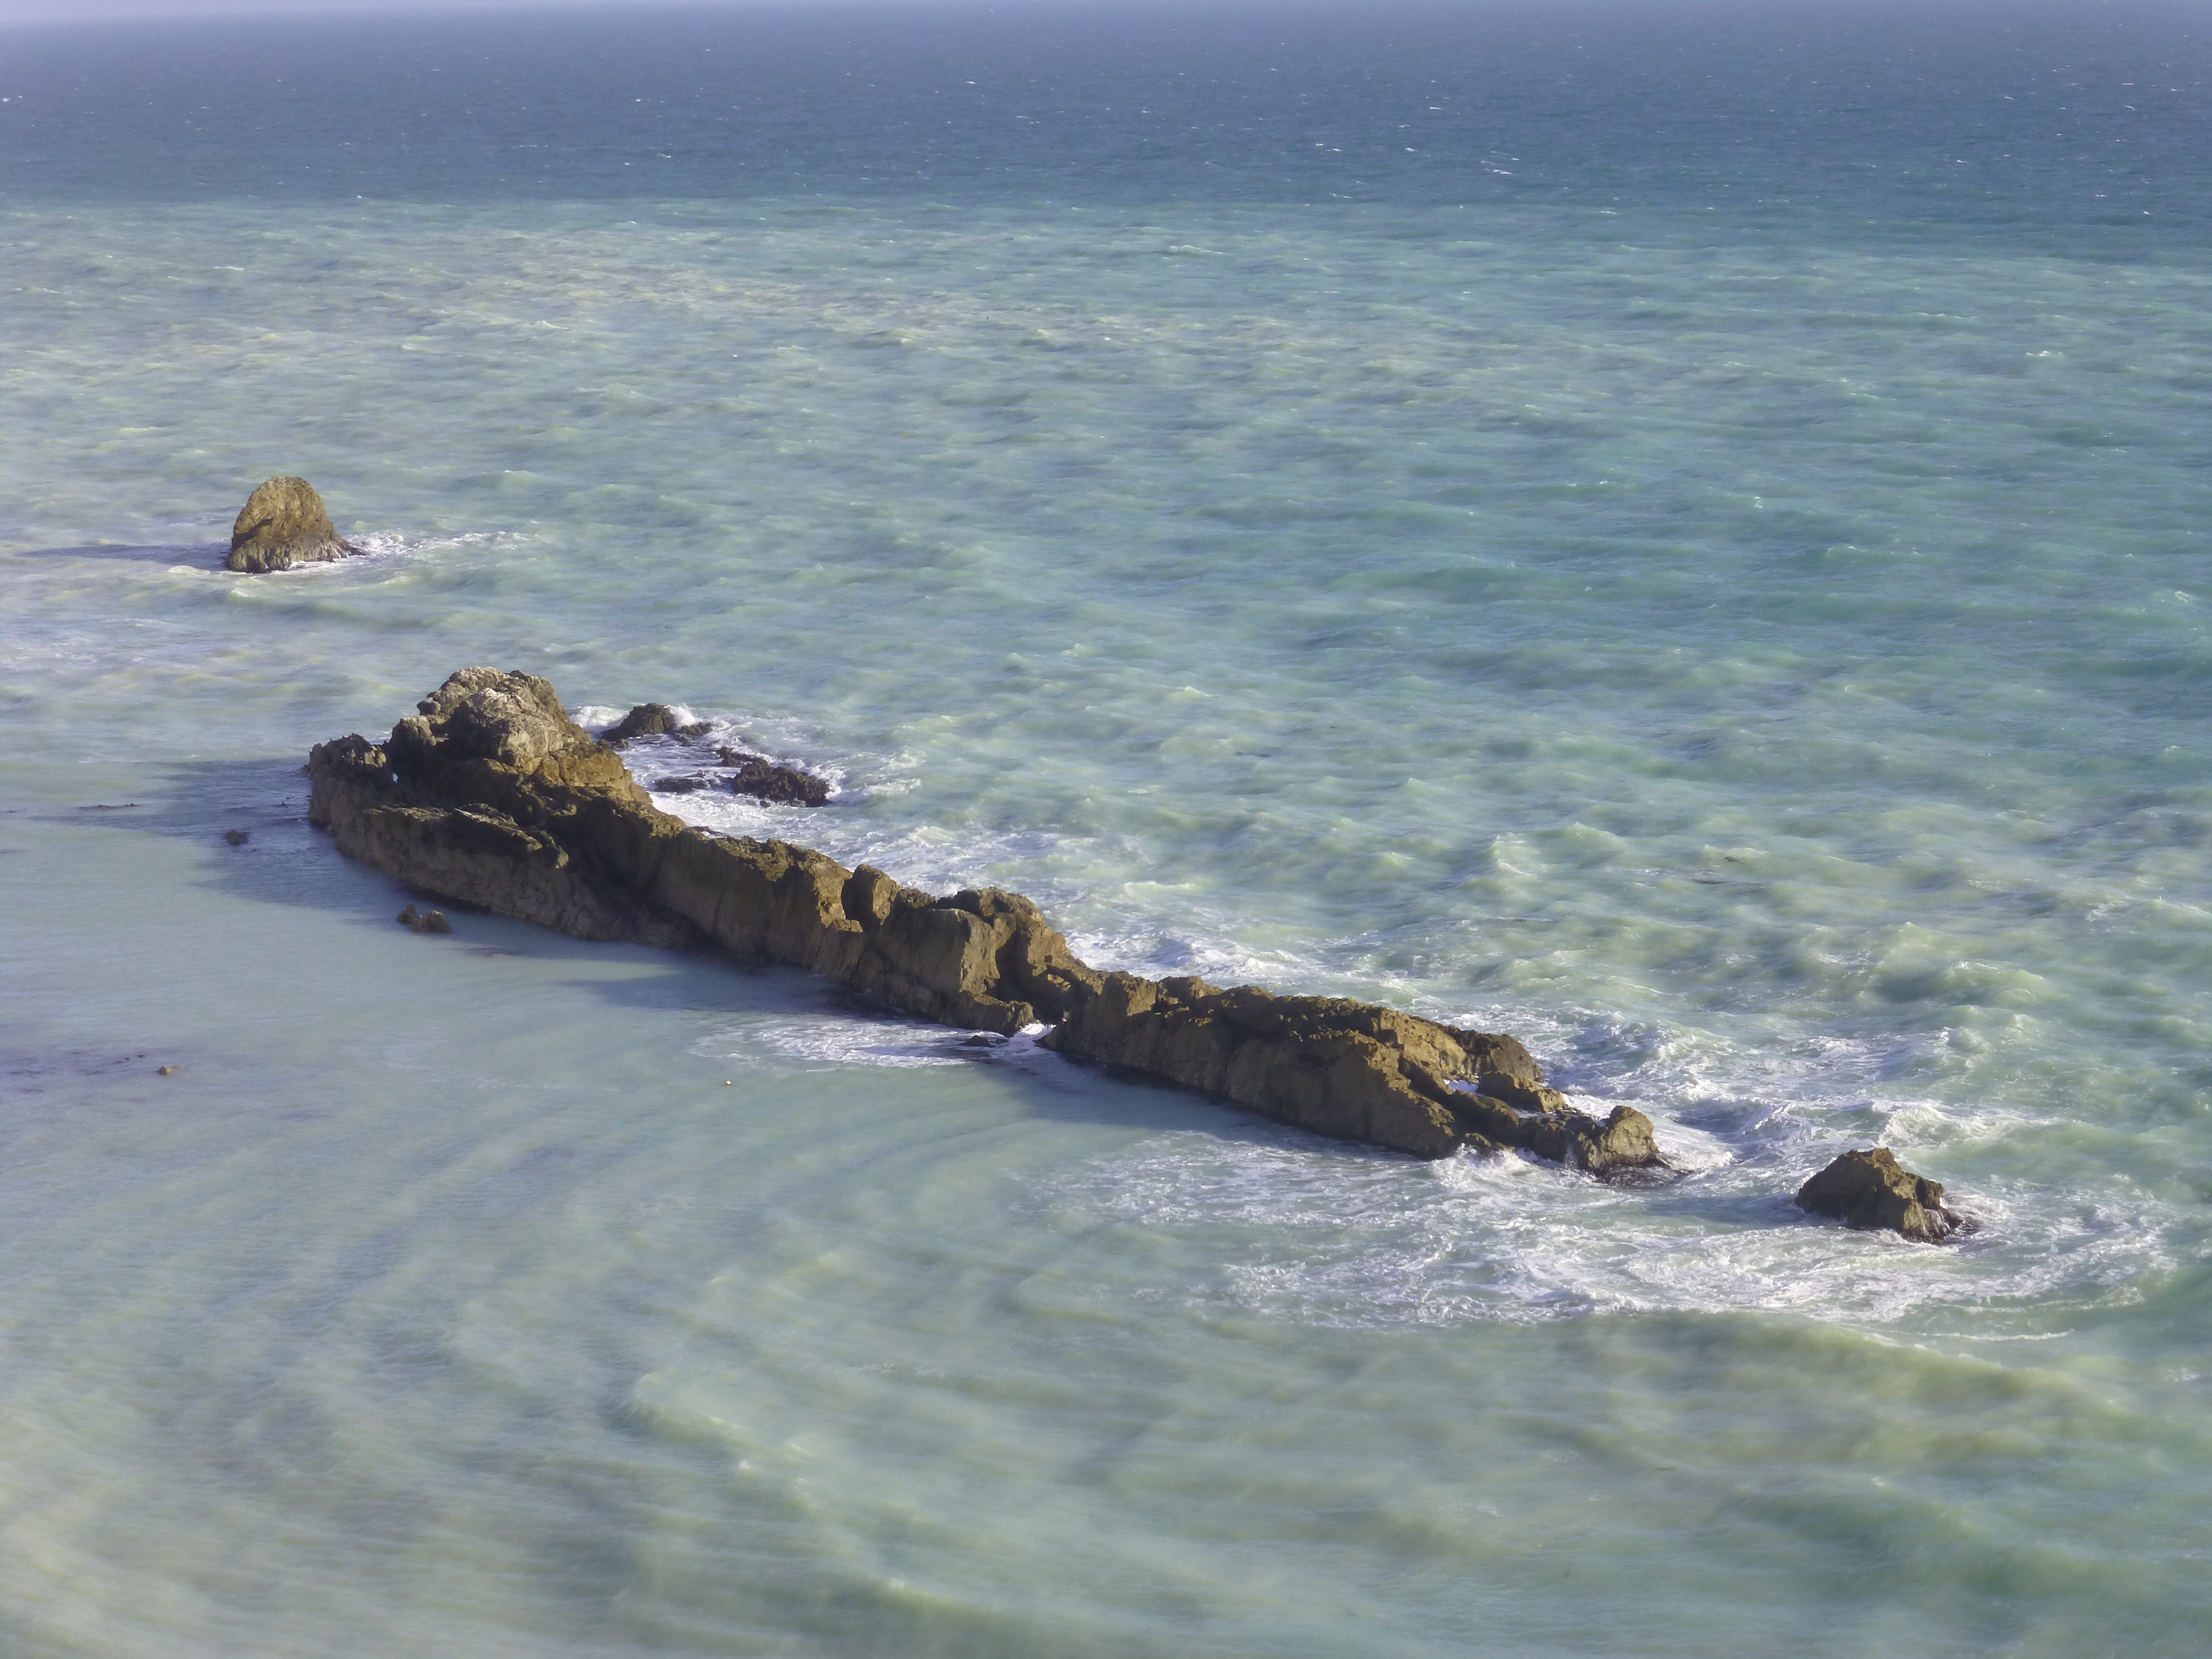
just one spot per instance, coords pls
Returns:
(282, 524)
(1344, 1068)
(237, 837)
(490, 793)
(1872, 1190)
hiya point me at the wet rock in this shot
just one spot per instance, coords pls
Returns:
(647, 720)
(283, 523)
(1344, 1068)
(685, 784)
(759, 776)
(432, 921)
(695, 729)
(237, 837)
(781, 786)
(1872, 1190)
(491, 794)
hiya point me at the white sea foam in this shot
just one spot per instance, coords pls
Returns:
(858, 1039)
(1366, 1240)
(1512, 1238)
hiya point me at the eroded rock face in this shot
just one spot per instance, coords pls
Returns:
(1872, 1190)
(282, 524)
(490, 795)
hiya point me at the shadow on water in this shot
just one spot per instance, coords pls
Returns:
(284, 860)
(207, 556)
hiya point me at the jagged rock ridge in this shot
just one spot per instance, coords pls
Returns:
(489, 794)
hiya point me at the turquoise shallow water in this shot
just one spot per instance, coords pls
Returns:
(1722, 604)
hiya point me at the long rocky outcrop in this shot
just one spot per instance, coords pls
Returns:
(283, 523)
(489, 794)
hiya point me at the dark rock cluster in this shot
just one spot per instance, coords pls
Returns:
(748, 773)
(766, 780)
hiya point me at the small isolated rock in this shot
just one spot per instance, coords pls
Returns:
(165, 1070)
(683, 784)
(647, 720)
(1871, 1189)
(282, 524)
(780, 785)
(425, 921)
(236, 837)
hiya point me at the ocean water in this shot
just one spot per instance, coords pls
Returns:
(1678, 533)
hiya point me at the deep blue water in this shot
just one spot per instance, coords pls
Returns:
(2050, 127)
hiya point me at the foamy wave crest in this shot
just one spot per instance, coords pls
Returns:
(385, 548)
(1379, 1238)
(823, 1041)
(1339, 1235)
(922, 855)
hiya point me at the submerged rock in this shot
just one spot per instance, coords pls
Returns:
(282, 524)
(491, 794)
(1872, 1190)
